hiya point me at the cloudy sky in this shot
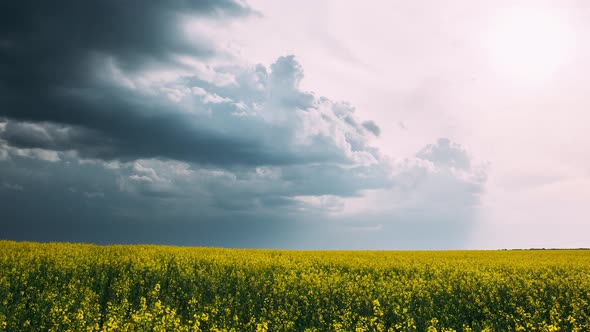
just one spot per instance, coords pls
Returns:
(308, 124)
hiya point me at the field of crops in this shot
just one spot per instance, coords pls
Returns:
(72, 287)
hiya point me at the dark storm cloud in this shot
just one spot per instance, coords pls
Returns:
(117, 129)
(46, 47)
(49, 136)
(49, 55)
(108, 134)
(173, 203)
(46, 43)
(83, 202)
(253, 122)
(61, 88)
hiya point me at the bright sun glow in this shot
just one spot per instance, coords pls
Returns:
(529, 44)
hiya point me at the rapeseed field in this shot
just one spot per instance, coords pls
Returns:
(79, 287)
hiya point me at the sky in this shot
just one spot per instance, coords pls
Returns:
(298, 125)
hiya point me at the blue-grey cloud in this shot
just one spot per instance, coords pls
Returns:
(257, 121)
(446, 153)
(52, 57)
(372, 127)
(93, 148)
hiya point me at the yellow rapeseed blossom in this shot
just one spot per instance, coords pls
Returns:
(75, 287)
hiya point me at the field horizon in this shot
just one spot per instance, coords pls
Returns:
(285, 249)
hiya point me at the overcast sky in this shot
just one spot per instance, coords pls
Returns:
(309, 124)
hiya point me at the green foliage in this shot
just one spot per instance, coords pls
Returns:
(73, 287)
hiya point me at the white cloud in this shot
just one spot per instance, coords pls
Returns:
(147, 171)
(141, 178)
(12, 186)
(321, 203)
(375, 228)
(209, 97)
(431, 187)
(430, 76)
(42, 154)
